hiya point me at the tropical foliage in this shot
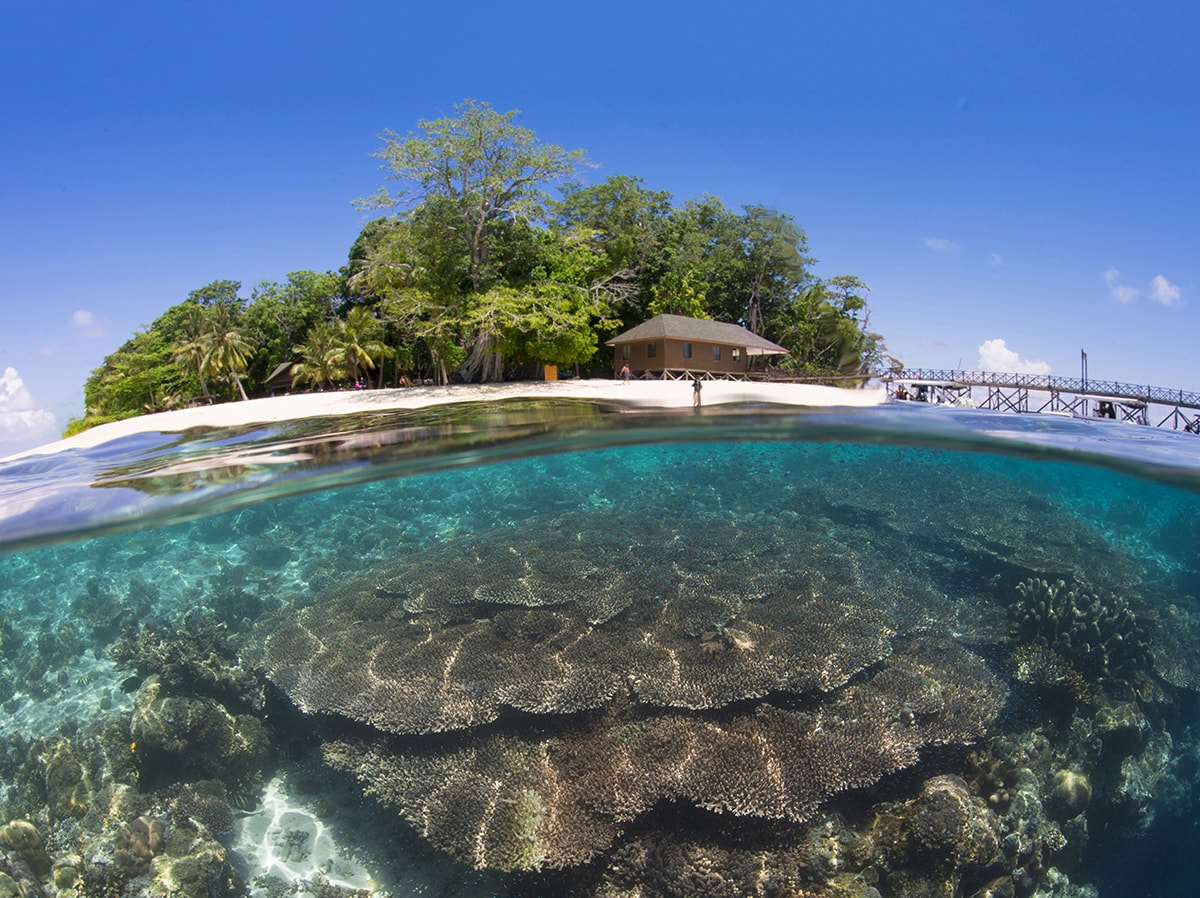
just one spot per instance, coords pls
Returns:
(489, 258)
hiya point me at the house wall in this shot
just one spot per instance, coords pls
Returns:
(670, 355)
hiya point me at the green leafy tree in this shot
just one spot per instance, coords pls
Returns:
(434, 323)
(773, 265)
(280, 314)
(624, 225)
(143, 375)
(475, 170)
(822, 337)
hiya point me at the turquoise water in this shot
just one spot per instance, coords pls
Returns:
(551, 648)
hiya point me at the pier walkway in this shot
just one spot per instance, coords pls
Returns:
(1074, 396)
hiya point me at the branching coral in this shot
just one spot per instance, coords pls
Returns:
(1099, 632)
(197, 658)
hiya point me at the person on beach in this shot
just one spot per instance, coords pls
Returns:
(696, 392)
(625, 375)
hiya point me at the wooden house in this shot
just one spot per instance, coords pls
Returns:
(678, 345)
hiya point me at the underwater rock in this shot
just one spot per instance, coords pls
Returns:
(1122, 727)
(195, 733)
(69, 790)
(1057, 884)
(945, 837)
(559, 795)
(67, 876)
(23, 838)
(193, 865)
(1070, 793)
(1173, 640)
(1140, 783)
(9, 887)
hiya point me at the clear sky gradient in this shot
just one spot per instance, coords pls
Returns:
(1014, 181)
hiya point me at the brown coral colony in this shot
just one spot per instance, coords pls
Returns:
(579, 686)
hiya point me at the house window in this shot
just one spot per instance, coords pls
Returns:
(736, 355)
(716, 353)
(625, 352)
(651, 350)
(687, 350)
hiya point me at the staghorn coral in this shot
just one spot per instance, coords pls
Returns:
(204, 803)
(1099, 633)
(1041, 666)
(560, 795)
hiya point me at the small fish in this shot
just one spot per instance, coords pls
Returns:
(131, 684)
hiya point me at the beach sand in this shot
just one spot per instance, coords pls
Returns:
(666, 394)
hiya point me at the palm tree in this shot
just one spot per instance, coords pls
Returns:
(360, 342)
(225, 350)
(319, 364)
(190, 351)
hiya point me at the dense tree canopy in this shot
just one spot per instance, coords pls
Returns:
(491, 259)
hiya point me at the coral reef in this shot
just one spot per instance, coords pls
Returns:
(22, 838)
(198, 657)
(364, 653)
(513, 801)
(820, 683)
(1099, 633)
(195, 732)
(945, 835)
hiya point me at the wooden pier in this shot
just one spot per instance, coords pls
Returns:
(1073, 396)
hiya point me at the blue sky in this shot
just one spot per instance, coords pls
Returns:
(1014, 178)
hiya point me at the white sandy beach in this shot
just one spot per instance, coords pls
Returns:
(666, 394)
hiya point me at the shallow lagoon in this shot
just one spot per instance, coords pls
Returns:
(572, 648)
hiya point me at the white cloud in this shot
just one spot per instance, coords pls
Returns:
(1121, 292)
(994, 355)
(22, 423)
(1163, 291)
(940, 244)
(87, 324)
(995, 260)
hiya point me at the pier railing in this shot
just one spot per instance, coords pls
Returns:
(1143, 392)
(1010, 392)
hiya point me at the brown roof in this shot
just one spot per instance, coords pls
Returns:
(681, 327)
(281, 375)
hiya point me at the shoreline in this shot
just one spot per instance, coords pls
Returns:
(664, 394)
